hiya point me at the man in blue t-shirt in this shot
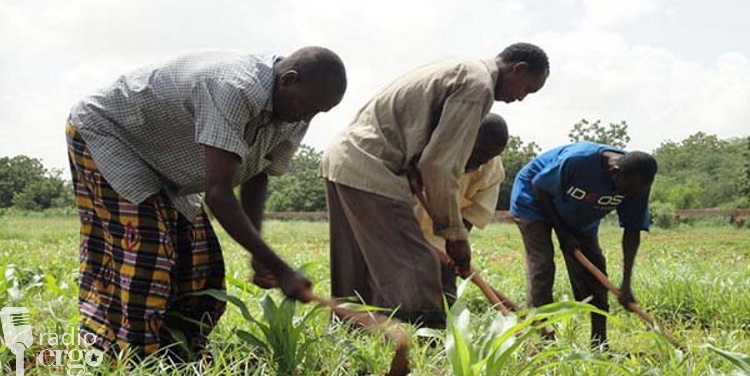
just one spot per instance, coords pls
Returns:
(570, 189)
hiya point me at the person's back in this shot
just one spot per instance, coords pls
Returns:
(394, 127)
(569, 189)
(145, 94)
(151, 123)
(428, 119)
(582, 188)
(140, 147)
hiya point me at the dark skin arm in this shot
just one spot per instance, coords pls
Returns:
(631, 240)
(221, 168)
(253, 194)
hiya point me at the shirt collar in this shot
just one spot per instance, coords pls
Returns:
(492, 69)
(272, 62)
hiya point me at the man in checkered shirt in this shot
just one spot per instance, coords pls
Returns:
(142, 149)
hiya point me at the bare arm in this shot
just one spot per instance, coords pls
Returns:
(253, 194)
(221, 167)
(631, 240)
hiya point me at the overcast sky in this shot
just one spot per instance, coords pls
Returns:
(668, 67)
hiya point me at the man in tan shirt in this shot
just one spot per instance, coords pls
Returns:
(430, 117)
(479, 188)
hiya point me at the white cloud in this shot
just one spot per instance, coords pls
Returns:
(607, 14)
(56, 52)
(52, 53)
(599, 75)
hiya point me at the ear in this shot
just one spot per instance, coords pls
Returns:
(520, 67)
(289, 78)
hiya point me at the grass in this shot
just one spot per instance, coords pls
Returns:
(694, 280)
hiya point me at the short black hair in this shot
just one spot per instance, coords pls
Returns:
(527, 53)
(493, 129)
(638, 163)
(315, 64)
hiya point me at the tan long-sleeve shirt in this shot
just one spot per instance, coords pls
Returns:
(431, 115)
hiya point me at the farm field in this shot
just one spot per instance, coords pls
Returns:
(694, 280)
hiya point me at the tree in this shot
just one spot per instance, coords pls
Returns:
(300, 189)
(680, 195)
(43, 194)
(516, 155)
(702, 171)
(615, 134)
(17, 173)
(26, 184)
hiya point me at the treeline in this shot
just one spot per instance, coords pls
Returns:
(26, 184)
(701, 171)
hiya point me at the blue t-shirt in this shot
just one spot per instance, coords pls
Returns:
(582, 189)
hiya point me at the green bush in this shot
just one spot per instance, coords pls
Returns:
(300, 189)
(25, 184)
(17, 173)
(662, 214)
(41, 195)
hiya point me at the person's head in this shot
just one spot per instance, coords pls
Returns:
(634, 172)
(524, 68)
(309, 81)
(491, 141)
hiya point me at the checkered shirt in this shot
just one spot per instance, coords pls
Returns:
(147, 130)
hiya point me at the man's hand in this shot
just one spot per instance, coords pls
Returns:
(460, 252)
(263, 277)
(626, 297)
(296, 286)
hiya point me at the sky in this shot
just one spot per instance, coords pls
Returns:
(669, 68)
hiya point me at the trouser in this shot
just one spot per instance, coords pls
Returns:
(379, 255)
(138, 265)
(540, 271)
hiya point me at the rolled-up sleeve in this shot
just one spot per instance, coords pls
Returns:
(281, 158)
(282, 155)
(444, 158)
(221, 115)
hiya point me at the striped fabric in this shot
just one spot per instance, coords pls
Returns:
(138, 262)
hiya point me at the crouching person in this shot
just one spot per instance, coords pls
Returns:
(570, 189)
(479, 189)
(143, 148)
